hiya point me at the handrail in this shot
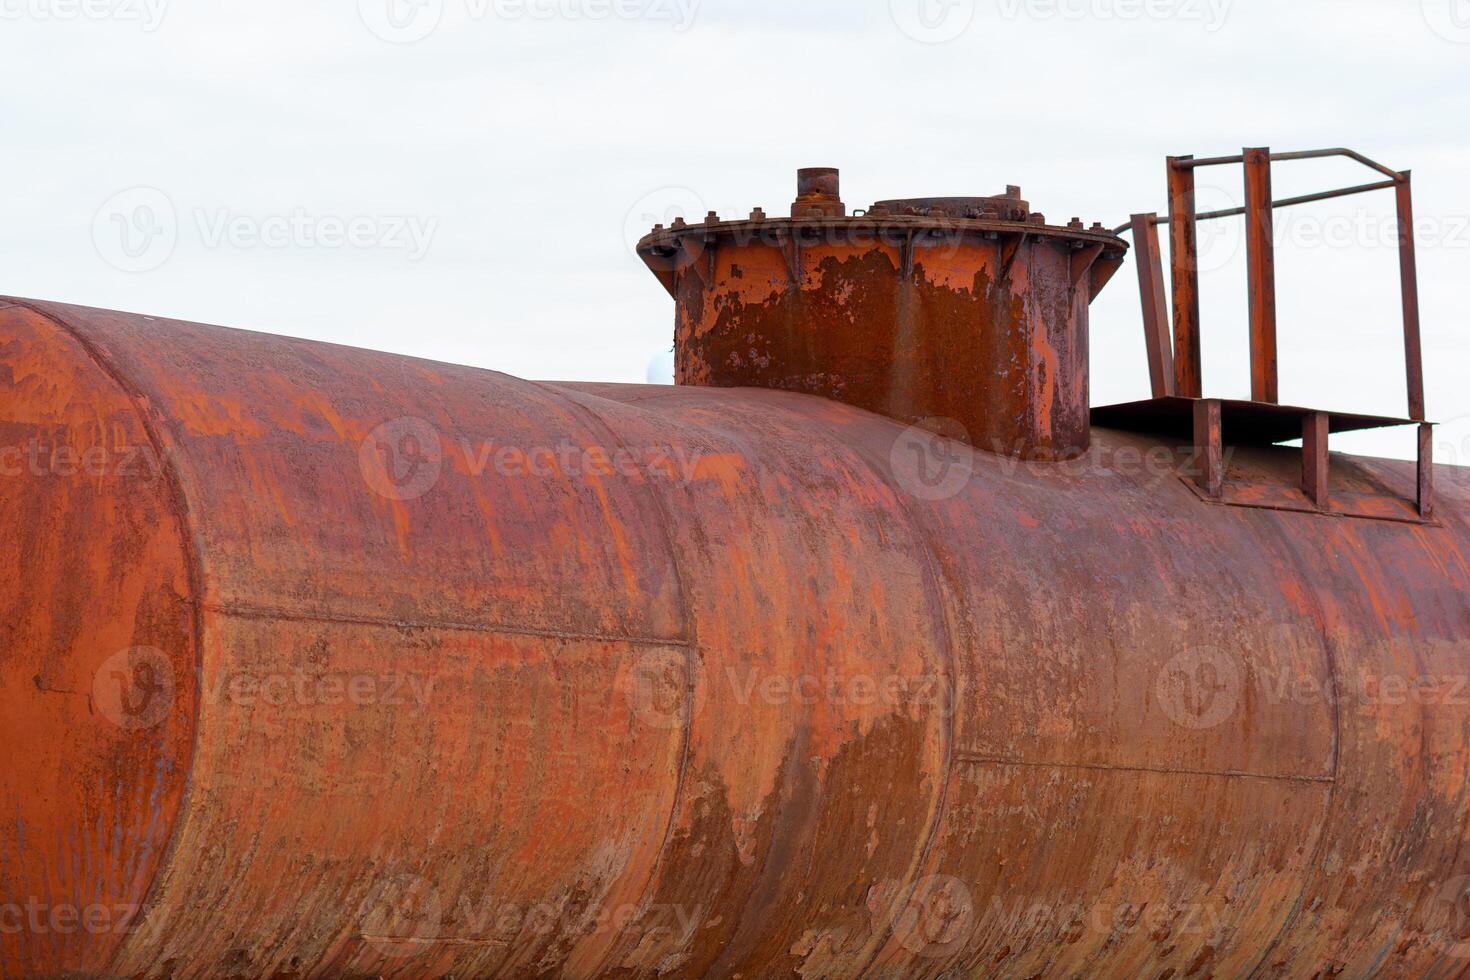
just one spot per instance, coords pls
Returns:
(1174, 356)
(1337, 151)
(1381, 185)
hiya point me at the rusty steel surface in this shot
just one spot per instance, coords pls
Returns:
(331, 663)
(966, 309)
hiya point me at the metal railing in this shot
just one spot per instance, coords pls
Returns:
(1174, 356)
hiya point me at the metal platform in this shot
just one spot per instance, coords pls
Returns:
(1243, 423)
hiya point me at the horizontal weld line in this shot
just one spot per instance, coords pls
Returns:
(282, 615)
(1100, 767)
(409, 941)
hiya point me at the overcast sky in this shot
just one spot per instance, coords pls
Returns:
(461, 179)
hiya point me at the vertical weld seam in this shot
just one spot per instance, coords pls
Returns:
(1329, 806)
(178, 505)
(934, 592)
(691, 649)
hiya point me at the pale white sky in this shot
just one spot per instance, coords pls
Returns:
(459, 179)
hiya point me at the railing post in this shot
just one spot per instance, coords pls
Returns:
(1184, 262)
(1426, 471)
(1155, 307)
(1315, 460)
(1261, 261)
(1409, 283)
(1209, 448)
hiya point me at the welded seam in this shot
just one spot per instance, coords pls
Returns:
(1319, 852)
(252, 612)
(686, 606)
(178, 505)
(935, 593)
(971, 758)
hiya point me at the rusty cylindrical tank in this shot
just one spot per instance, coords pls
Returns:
(319, 662)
